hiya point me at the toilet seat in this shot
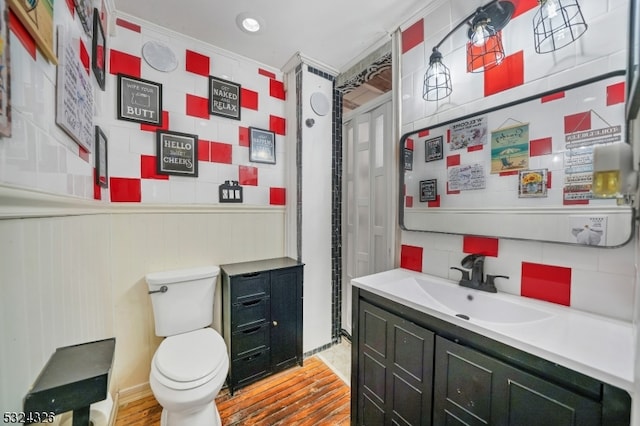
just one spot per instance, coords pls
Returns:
(189, 360)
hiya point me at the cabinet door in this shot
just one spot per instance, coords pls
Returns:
(395, 369)
(286, 317)
(471, 388)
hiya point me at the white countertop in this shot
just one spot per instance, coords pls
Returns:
(594, 345)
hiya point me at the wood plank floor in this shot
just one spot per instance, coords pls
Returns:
(309, 395)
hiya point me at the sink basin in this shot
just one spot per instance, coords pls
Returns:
(478, 305)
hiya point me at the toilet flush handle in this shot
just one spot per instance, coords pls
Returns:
(162, 289)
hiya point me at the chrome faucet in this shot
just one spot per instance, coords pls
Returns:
(475, 262)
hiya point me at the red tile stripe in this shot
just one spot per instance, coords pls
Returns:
(204, 150)
(221, 153)
(552, 97)
(266, 73)
(22, 34)
(248, 99)
(151, 128)
(411, 257)
(277, 196)
(423, 133)
(540, 147)
(197, 106)
(128, 25)
(278, 125)
(243, 136)
(84, 58)
(546, 282)
(248, 175)
(124, 63)
(577, 122)
(480, 245)
(408, 202)
(125, 190)
(197, 63)
(507, 75)
(413, 36)
(453, 160)
(408, 144)
(71, 7)
(276, 89)
(434, 204)
(615, 94)
(149, 168)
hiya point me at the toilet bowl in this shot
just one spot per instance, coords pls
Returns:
(187, 372)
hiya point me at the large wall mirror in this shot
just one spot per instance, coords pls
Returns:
(522, 170)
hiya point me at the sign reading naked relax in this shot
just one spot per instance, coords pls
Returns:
(224, 98)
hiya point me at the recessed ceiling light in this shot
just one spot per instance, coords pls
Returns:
(250, 23)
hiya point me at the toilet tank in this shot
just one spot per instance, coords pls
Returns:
(187, 303)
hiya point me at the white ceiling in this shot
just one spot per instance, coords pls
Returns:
(331, 32)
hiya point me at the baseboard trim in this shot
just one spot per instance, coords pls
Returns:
(134, 393)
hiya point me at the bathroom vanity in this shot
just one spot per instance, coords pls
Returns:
(426, 351)
(262, 318)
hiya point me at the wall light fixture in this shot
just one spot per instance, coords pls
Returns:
(556, 24)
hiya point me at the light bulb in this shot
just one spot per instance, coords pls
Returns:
(551, 7)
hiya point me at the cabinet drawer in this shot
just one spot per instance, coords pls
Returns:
(249, 286)
(249, 340)
(249, 314)
(251, 367)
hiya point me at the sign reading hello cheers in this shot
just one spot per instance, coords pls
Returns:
(139, 100)
(177, 153)
(224, 98)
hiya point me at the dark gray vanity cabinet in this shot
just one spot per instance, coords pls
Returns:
(395, 369)
(475, 389)
(261, 318)
(409, 368)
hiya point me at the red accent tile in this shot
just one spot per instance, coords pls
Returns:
(97, 190)
(435, 203)
(546, 282)
(149, 168)
(480, 245)
(577, 122)
(204, 150)
(411, 257)
(478, 52)
(120, 62)
(248, 99)
(615, 94)
(549, 174)
(523, 6)
(221, 153)
(22, 34)
(553, 96)
(276, 89)
(278, 125)
(243, 136)
(128, 25)
(248, 175)
(453, 160)
(507, 75)
(125, 190)
(83, 153)
(197, 63)
(84, 57)
(475, 148)
(423, 133)
(450, 192)
(197, 106)
(152, 128)
(408, 144)
(413, 36)
(448, 135)
(540, 147)
(71, 6)
(408, 202)
(277, 196)
(266, 73)
(509, 173)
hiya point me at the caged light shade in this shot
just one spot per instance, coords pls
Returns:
(437, 80)
(482, 57)
(556, 24)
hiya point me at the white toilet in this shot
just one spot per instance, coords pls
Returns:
(191, 364)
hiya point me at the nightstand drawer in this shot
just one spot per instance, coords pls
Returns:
(249, 286)
(249, 340)
(249, 314)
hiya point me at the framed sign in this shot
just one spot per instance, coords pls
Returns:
(37, 18)
(224, 98)
(85, 12)
(428, 190)
(99, 49)
(74, 97)
(433, 149)
(139, 100)
(5, 89)
(102, 175)
(177, 153)
(262, 146)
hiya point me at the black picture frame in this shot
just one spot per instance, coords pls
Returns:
(98, 50)
(84, 10)
(408, 159)
(139, 100)
(224, 98)
(262, 146)
(633, 62)
(428, 190)
(177, 153)
(433, 149)
(101, 159)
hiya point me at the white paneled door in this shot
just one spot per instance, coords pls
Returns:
(367, 158)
